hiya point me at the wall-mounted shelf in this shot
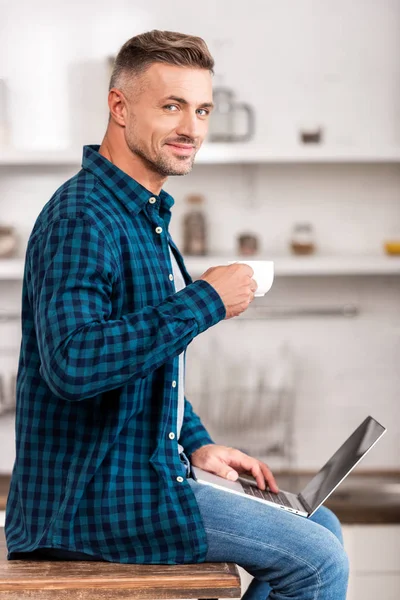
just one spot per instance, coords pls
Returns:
(52, 158)
(259, 154)
(215, 154)
(306, 266)
(13, 269)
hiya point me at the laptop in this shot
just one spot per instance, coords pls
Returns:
(318, 489)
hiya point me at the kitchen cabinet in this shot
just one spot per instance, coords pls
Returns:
(377, 586)
(374, 553)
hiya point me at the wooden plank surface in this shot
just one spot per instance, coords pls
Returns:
(81, 580)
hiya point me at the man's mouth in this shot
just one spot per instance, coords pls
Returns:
(182, 149)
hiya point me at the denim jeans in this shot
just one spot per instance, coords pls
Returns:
(289, 556)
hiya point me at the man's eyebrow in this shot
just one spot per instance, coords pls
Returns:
(183, 101)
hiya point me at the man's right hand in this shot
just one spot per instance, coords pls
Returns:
(234, 284)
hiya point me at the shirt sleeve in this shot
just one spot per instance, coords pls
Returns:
(193, 433)
(83, 350)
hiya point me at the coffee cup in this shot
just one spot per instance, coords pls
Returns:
(263, 274)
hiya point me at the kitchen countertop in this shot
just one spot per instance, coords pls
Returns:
(369, 497)
(364, 497)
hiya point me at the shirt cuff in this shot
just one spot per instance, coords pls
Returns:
(203, 300)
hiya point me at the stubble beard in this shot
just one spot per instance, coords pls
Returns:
(162, 165)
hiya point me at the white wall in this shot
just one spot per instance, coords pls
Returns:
(297, 62)
(319, 61)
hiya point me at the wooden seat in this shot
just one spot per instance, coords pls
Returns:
(81, 580)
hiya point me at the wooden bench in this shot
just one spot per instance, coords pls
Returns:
(81, 580)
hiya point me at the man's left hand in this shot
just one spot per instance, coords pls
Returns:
(229, 463)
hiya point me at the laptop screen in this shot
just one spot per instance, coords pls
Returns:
(342, 462)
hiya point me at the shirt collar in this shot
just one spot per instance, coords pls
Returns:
(134, 195)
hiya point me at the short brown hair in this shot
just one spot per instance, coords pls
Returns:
(170, 47)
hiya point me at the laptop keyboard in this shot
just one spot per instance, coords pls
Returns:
(279, 498)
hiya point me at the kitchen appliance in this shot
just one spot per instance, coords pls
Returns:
(226, 116)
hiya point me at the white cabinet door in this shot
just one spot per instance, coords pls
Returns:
(374, 554)
(383, 586)
(376, 549)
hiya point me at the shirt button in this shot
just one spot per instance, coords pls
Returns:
(152, 200)
(174, 384)
(170, 277)
(179, 479)
(171, 435)
(158, 229)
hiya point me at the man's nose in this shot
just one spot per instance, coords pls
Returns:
(189, 127)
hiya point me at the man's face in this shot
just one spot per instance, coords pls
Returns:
(167, 121)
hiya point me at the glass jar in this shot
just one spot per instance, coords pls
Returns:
(247, 244)
(8, 241)
(195, 228)
(302, 240)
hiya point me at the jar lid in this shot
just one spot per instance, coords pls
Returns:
(7, 229)
(195, 198)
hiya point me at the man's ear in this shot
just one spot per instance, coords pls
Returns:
(117, 106)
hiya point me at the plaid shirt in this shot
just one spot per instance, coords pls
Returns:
(97, 468)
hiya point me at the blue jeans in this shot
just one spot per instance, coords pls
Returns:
(289, 556)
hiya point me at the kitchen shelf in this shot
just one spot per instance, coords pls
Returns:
(258, 154)
(211, 154)
(56, 158)
(304, 266)
(13, 269)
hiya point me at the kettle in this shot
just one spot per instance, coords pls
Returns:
(222, 121)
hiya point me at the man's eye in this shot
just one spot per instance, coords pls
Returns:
(169, 105)
(207, 112)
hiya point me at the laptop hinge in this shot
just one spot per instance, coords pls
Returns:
(305, 503)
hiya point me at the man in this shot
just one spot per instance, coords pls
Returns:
(104, 434)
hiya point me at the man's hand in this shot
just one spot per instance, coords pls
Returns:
(235, 286)
(229, 463)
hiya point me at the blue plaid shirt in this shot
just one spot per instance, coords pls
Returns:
(97, 467)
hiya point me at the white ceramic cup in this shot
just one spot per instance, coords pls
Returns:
(263, 274)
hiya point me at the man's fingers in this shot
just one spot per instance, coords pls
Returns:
(227, 472)
(259, 470)
(255, 470)
(269, 478)
(236, 462)
(251, 465)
